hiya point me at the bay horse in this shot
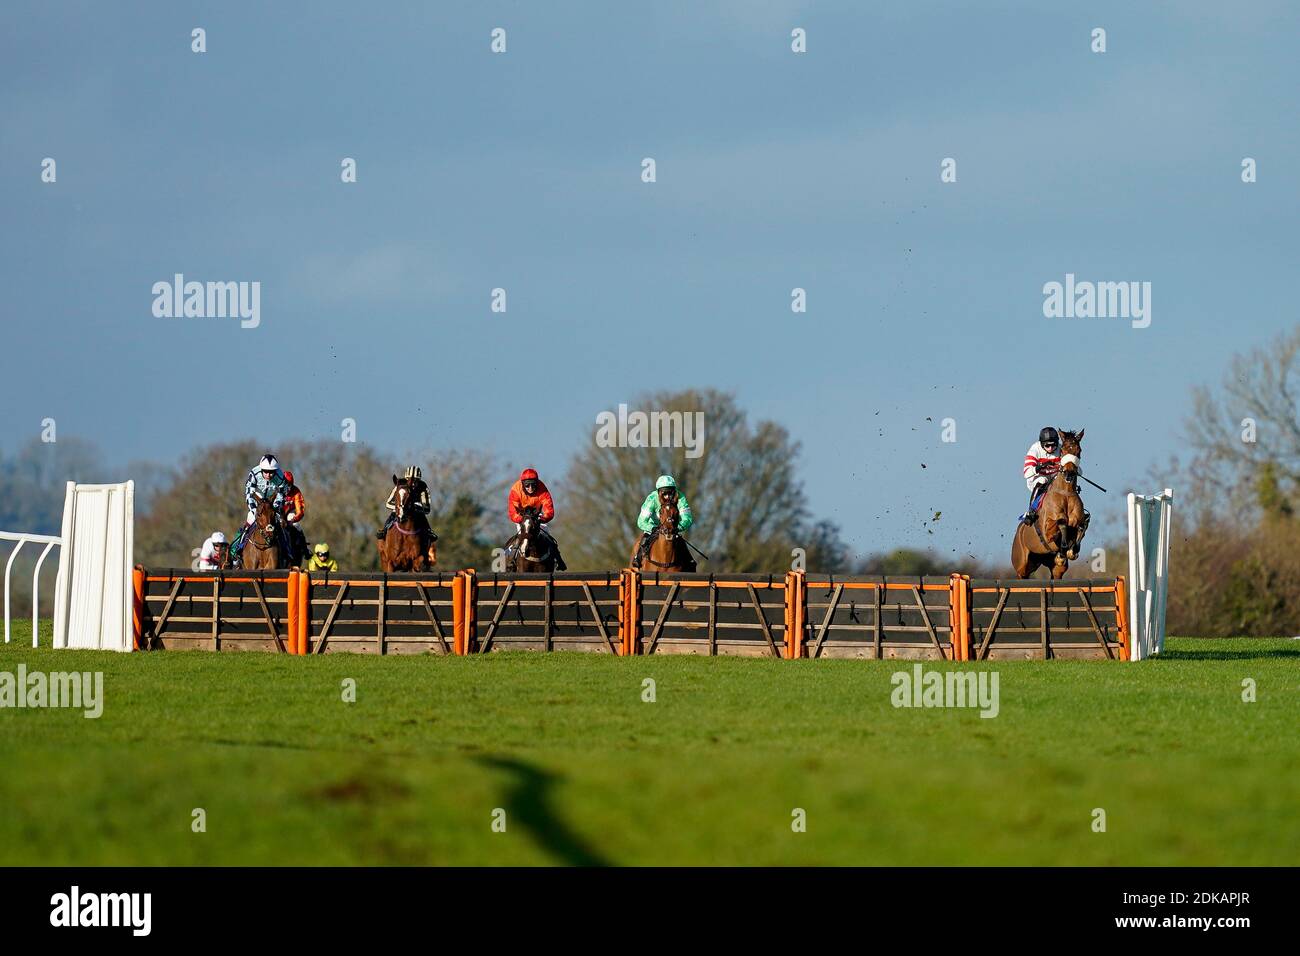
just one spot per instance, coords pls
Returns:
(533, 550)
(403, 546)
(261, 549)
(667, 551)
(1054, 539)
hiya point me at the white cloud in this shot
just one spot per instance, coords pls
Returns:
(393, 272)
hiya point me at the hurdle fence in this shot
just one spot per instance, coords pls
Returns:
(790, 616)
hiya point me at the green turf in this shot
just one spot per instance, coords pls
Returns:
(708, 774)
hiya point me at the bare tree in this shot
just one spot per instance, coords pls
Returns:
(750, 509)
(345, 486)
(1245, 439)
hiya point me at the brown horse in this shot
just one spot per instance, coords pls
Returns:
(1053, 540)
(403, 547)
(667, 551)
(261, 550)
(533, 550)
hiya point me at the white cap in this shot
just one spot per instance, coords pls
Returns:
(268, 463)
(219, 537)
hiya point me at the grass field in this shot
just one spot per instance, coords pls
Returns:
(287, 773)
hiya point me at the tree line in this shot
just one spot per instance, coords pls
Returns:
(743, 483)
(1234, 568)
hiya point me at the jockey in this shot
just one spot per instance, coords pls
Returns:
(420, 503)
(531, 492)
(265, 480)
(647, 520)
(212, 556)
(293, 508)
(1042, 462)
(320, 559)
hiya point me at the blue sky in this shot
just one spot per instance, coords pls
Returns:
(775, 170)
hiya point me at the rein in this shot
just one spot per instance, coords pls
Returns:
(398, 523)
(398, 526)
(266, 532)
(672, 535)
(539, 559)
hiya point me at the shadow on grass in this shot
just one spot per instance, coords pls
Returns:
(528, 801)
(1228, 655)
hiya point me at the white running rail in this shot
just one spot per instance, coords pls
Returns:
(20, 539)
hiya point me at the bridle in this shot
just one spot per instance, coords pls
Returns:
(403, 492)
(265, 531)
(665, 531)
(529, 530)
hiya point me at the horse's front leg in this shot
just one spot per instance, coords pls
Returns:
(1068, 543)
(1052, 531)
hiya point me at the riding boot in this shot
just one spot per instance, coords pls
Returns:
(643, 552)
(388, 523)
(237, 547)
(559, 558)
(1031, 516)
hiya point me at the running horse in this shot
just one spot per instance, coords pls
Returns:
(667, 550)
(261, 550)
(403, 546)
(1054, 539)
(532, 551)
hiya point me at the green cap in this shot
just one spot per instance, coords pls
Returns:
(665, 481)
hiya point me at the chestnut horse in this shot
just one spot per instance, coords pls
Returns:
(668, 551)
(261, 550)
(1053, 540)
(533, 551)
(403, 546)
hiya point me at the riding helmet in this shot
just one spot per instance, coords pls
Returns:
(413, 473)
(665, 481)
(268, 463)
(1049, 436)
(528, 474)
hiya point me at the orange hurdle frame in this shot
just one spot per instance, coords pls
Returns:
(961, 628)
